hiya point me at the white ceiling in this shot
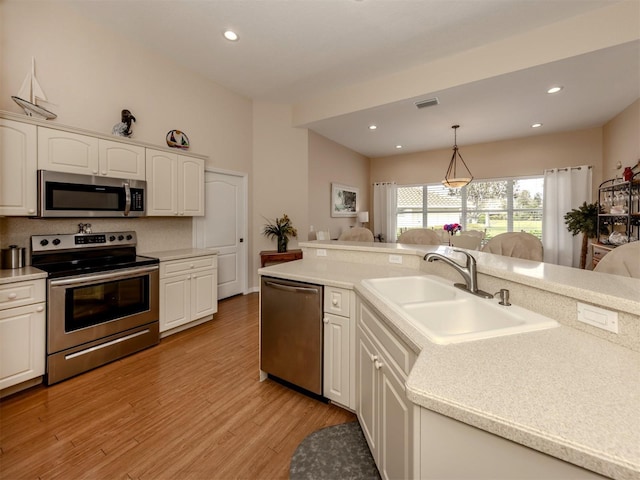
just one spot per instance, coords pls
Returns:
(290, 50)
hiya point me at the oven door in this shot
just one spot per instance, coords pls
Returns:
(88, 307)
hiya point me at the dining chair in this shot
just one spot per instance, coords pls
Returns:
(420, 236)
(515, 244)
(623, 260)
(475, 233)
(357, 234)
(470, 242)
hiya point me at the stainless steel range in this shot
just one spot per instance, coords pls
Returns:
(102, 299)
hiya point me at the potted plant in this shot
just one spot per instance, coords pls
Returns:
(583, 219)
(281, 229)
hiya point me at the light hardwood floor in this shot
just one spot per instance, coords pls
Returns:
(189, 408)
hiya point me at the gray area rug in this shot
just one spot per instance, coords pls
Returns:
(334, 453)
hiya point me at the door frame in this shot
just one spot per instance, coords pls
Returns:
(244, 246)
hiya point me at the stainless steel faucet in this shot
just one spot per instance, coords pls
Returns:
(469, 272)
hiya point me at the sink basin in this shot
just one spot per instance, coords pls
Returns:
(446, 314)
(415, 289)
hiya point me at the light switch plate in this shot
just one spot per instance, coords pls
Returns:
(598, 317)
(321, 252)
(395, 259)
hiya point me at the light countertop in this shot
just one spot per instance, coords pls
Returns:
(166, 255)
(21, 274)
(560, 391)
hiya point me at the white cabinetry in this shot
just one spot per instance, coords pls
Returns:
(385, 414)
(339, 357)
(63, 151)
(18, 166)
(175, 184)
(22, 332)
(188, 291)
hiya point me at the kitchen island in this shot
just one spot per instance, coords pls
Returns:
(571, 392)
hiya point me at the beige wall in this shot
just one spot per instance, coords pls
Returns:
(621, 141)
(330, 162)
(519, 157)
(280, 171)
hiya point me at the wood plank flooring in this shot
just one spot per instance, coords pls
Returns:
(189, 408)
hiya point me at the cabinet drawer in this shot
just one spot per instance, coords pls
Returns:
(396, 348)
(336, 301)
(21, 293)
(188, 264)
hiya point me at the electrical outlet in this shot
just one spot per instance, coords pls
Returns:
(321, 252)
(598, 317)
(395, 259)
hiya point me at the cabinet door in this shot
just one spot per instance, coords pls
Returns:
(162, 183)
(18, 166)
(121, 160)
(191, 186)
(366, 392)
(396, 420)
(336, 358)
(67, 152)
(204, 286)
(22, 350)
(175, 302)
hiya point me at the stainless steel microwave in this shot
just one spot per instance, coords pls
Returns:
(72, 195)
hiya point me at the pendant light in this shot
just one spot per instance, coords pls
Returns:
(451, 179)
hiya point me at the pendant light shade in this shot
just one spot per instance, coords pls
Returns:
(456, 176)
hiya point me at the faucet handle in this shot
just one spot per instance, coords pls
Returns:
(504, 297)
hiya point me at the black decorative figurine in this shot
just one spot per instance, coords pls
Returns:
(123, 129)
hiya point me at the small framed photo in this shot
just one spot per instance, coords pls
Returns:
(344, 200)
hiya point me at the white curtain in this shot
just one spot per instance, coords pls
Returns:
(564, 190)
(384, 210)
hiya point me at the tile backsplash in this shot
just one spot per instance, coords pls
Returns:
(154, 233)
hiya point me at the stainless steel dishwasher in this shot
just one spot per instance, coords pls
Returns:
(291, 332)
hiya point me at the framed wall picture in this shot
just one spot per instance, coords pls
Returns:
(344, 200)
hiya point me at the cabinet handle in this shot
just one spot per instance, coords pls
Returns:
(374, 357)
(325, 320)
(334, 302)
(377, 364)
(40, 309)
(12, 296)
(31, 210)
(95, 172)
(104, 173)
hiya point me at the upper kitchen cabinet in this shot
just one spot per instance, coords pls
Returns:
(18, 165)
(175, 184)
(63, 151)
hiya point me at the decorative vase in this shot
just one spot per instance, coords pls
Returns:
(282, 244)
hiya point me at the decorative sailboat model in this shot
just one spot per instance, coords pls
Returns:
(29, 94)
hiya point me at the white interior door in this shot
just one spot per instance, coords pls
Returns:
(223, 228)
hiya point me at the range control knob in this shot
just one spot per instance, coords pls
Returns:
(112, 238)
(120, 237)
(56, 241)
(44, 242)
(129, 237)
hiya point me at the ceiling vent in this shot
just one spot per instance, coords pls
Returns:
(430, 102)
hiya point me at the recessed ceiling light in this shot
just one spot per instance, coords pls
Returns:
(230, 35)
(555, 89)
(372, 127)
(536, 125)
(398, 146)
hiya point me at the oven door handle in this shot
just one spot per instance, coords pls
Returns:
(127, 199)
(98, 277)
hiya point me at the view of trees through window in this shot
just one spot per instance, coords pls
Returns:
(494, 206)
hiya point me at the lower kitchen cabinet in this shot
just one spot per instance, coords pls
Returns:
(188, 291)
(339, 355)
(385, 414)
(22, 332)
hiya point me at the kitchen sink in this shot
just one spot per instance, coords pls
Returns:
(446, 314)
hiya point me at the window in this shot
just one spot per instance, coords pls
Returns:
(494, 206)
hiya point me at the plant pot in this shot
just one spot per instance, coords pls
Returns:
(282, 244)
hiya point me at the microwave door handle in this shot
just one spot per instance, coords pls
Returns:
(127, 199)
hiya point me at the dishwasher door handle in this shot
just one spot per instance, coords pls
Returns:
(289, 288)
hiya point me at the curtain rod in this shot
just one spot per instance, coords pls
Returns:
(566, 169)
